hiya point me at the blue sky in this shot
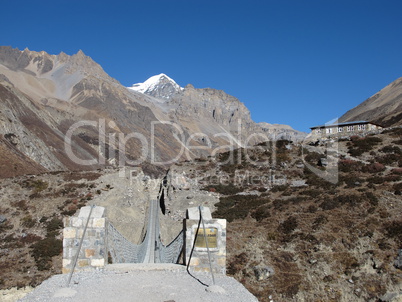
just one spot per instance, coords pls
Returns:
(300, 63)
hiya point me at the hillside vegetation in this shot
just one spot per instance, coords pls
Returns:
(293, 236)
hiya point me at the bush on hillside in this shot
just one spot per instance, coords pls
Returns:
(44, 250)
(391, 149)
(313, 158)
(389, 159)
(348, 165)
(288, 226)
(229, 189)
(261, 213)
(238, 206)
(393, 132)
(373, 168)
(351, 180)
(357, 147)
(393, 230)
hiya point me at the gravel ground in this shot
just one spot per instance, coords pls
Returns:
(123, 285)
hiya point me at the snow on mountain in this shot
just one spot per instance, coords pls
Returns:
(159, 86)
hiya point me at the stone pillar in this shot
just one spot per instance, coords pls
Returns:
(216, 238)
(93, 253)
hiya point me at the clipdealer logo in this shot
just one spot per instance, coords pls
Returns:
(112, 147)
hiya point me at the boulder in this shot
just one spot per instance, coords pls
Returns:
(263, 272)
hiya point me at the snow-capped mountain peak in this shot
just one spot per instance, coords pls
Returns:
(159, 86)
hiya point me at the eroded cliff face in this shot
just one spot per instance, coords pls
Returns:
(32, 137)
(45, 98)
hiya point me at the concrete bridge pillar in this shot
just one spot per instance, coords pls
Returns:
(93, 252)
(196, 246)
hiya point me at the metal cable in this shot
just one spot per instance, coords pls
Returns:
(206, 243)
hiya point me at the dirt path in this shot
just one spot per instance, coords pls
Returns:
(150, 283)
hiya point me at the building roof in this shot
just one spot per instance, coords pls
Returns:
(344, 124)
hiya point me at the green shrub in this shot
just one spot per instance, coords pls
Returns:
(351, 180)
(375, 180)
(6, 226)
(348, 165)
(237, 264)
(282, 143)
(224, 189)
(388, 159)
(397, 171)
(373, 200)
(392, 178)
(233, 157)
(329, 204)
(312, 193)
(224, 157)
(53, 226)
(313, 158)
(391, 149)
(70, 211)
(238, 206)
(280, 188)
(318, 182)
(280, 204)
(394, 230)
(44, 250)
(312, 209)
(347, 261)
(357, 147)
(36, 185)
(261, 213)
(28, 222)
(288, 226)
(373, 168)
(320, 220)
(393, 132)
(22, 205)
(350, 199)
(39, 185)
(30, 238)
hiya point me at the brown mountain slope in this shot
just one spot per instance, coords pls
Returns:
(293, 236)
(13, 162)
(36, 137)
(384, 108)
(44, 95)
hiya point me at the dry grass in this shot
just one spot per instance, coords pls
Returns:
(320, 236)
(30, 238)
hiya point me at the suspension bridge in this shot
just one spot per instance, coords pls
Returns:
(151, 249)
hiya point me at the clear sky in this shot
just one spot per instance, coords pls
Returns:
(295, 62)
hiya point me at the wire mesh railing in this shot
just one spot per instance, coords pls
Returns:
(122, 250)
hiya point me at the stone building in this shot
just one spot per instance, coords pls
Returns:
(344, 129)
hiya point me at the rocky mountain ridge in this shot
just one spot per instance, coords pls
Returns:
(46, 96)
(209, 105)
